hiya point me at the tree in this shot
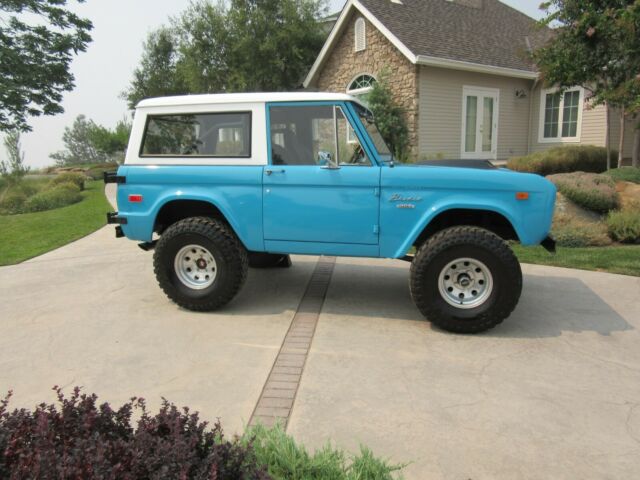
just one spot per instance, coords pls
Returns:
(14, 168)
(111, 143)
(389, 118)
(38, 39)
(88, 142)
(242, 45)
(596, 46)
(79, 144)
(157, 74)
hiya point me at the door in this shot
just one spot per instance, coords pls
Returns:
(480, 123)
(319, 186)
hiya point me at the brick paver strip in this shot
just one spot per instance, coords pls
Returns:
(279, 391)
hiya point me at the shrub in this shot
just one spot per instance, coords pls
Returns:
(589, 190)
(79, 439)
(73, 187)
(73, 177)
(286, 459)
(625, 174)
(624, 225)
(13, 202)
(570, 231)
(50, 199)
(584, 158)
(97, 172)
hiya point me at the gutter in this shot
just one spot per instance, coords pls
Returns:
(475, 67)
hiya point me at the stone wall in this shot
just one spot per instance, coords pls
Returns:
(344, 64)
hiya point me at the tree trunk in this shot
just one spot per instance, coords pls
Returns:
(621, 144)
(636, 147)
(607, 138)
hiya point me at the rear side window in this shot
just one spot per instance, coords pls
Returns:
(226, 135)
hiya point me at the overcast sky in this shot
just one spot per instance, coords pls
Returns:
(103, 72)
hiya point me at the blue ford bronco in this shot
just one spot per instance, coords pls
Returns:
(218, 183)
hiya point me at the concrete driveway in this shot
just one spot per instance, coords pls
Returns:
(552, 393)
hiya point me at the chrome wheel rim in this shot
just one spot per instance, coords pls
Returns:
(195, 267)
(465, 283)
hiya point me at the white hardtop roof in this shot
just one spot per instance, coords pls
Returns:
(260, 97)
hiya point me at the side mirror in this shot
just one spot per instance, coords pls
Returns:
(325, 160)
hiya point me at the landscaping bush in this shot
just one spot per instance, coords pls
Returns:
(624, 225)
(572, 232)
(288, 460)
(12, 203)
(97, 172)
(50, 199)
(584, 158)
(625, 174)
(73, 177)
(73, 187)
(79, 439)
(588, 190)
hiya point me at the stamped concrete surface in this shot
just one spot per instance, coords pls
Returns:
(552, 393)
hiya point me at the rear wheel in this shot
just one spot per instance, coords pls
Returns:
(465, 280)
(200, 264)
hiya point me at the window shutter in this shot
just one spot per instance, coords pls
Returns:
(361, 37)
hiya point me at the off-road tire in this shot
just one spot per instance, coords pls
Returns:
(268, 260)
(229, 254)
(465, 242)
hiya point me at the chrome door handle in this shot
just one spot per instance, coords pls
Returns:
(269, 172)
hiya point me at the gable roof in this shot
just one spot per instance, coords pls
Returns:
(492, 37)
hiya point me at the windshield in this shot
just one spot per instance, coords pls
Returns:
(366, 117)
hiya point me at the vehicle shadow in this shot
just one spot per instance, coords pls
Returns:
(548, 307)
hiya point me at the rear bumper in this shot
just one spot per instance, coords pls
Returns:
(549, 244)
(113, 218)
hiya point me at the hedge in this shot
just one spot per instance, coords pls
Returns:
(624, 225)
(80, 439)
(588, 190)
(583, 158)
(13, 203)
(66, 177)
(50, 199)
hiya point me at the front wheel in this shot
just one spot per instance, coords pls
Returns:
(200, 264)
(465, 280)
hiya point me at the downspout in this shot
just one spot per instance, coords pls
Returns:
(529, 130)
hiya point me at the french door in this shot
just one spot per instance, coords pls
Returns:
(480, 123)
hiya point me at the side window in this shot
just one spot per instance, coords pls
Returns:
(313, 135)
(350, 152)
(226, 135)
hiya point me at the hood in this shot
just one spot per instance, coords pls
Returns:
(477, 164)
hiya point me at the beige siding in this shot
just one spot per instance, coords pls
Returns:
(628, 133)
(440, 111)
(593, 125)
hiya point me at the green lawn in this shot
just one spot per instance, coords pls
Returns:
(618, 259)
(32, 234)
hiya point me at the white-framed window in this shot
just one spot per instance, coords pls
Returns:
(561, 115)
(360, 87)
(361, 84)
(360, 35)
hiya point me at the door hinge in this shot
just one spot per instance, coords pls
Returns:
(376, 229)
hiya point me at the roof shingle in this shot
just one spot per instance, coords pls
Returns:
(492, 34)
